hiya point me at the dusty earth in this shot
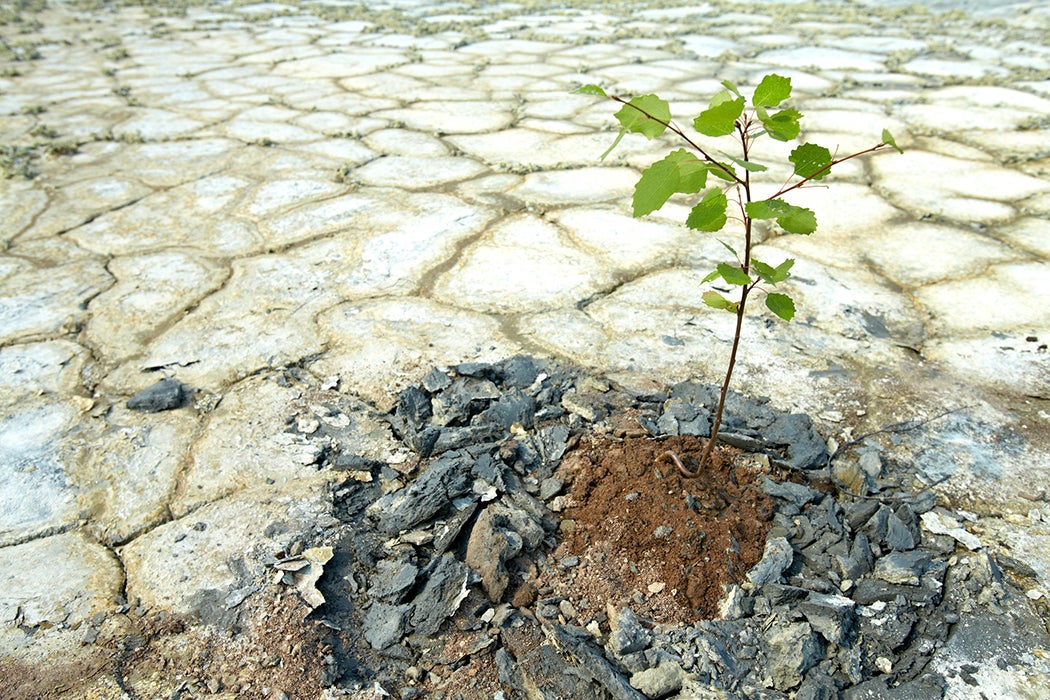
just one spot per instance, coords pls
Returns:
(649, 537)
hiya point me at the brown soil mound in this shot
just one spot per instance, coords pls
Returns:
(647, 536)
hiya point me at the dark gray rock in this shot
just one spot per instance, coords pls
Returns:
(165, 395)
(384, 625)
(463, 399)
(830, 615)
(444, 479)
(859, 512)
(805, 448)
(860, 560)
(577, 643)
(929, 687)
(436, 380)
(393, 577)
(627, 635)
(413, 406)
(898, 536)
(776, 558)
(797, 495)
(873, 590)
(681, 417)
(519, 372)
(532, 667)
(513, 407)
(445, 589)
(446, 531)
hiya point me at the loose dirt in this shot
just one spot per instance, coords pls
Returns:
(647, 536)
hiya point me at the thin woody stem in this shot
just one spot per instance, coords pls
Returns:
(827, 168)
(745, 290)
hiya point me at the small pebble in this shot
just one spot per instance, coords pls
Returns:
(657, 587)
(569, 562)
(884, 664)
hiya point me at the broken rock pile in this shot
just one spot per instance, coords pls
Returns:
(449, 560)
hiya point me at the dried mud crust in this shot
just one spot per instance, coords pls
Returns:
(635, 531)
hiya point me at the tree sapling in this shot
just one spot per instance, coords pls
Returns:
(686, 171)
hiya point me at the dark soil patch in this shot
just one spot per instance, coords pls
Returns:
(649, 537)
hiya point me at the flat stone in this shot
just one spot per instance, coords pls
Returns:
(387, 339)
(29, 369)
(37, 494)
(39, 302)
(579, 186)
(52, 585)
(959, 190)
(444, 590)
(192, 564)
(151, 290)
(460, 117)
(172, 218)
(417, 172)
(537, 270)
(131, 474)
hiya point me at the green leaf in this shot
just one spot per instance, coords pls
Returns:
(717, 301)
(811, 161)
(679, 171)
(734, 275)
(725, 172)
(887, 138)
(591, 90)
(783, 126)
(710, 214)
(729, 248)
(731, 87)
(647, 115)
(770, 274)
(711, 277)
(719, 119)
(781, 305)
(790, 218)
(773, 90)
(748, 165)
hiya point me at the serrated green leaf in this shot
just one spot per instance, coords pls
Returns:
(748, 165)
(733, 275)
(710, 213)
(887, 138)
(773, 90)
(711, 277)
(790, 218)
(811, 161)
(658, 182)
(783, 270)
(591, 90)
(678, 171)
(726, 172)
(781, 305)
(770, 274)
(783, 126)
(731, 87)
(764, 271)
(719, 119)
(646, 114)
(717, 301)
